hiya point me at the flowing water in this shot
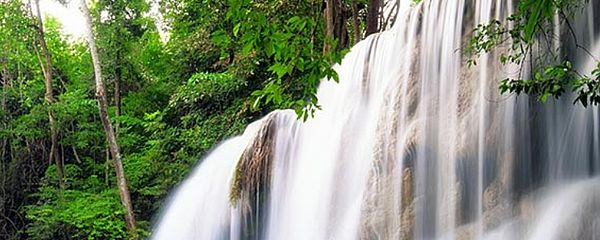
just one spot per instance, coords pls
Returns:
(410, 144)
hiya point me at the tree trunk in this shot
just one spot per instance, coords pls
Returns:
(46, 66)
(355, 23)
(328, 14)
(108, 128)
(335, 16)
(6, 78)
(372, 17)
(117, 95)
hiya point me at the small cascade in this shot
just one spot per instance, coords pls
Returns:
(412, 143)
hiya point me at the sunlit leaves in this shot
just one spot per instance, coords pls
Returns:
(290, 44)
(539, 11)
(588, 88)
(547, 82)
(485, 37)
(204, 90)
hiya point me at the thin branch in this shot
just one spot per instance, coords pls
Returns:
(570, 27)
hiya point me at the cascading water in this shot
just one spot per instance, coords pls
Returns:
(411, 144)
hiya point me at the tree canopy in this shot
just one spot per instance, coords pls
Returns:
(169, 100)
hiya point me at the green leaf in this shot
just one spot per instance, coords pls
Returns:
(533, 20)
(236, 29)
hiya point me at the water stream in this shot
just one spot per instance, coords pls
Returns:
(412, 143)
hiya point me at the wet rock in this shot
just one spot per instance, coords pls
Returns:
(389, 212)
(407, 224)
(253, 170)
(496, 207)
(251, 183)
(465, 232)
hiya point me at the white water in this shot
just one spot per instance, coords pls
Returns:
(412, 144)
(203, 219)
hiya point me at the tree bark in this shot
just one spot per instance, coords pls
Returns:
(328, 14)
(355, 23)
(108, 128)
(372, 17)
(335, 15)
(117, 93)
(46, 66)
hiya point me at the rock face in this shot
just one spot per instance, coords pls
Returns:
(383, 218)
(252, 179)
(388, 210)
(407, 223)
(496, 206)
(253, 168)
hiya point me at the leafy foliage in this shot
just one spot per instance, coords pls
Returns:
(83, 213)
(553, 75)
(206, 89)
(289, 45)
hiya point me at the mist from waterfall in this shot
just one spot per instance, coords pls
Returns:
(412, 143)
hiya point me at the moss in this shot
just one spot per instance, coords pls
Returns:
(253, 171)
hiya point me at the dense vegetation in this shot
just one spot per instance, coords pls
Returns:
(225, 64)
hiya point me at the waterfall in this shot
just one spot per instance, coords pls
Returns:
(412, 143)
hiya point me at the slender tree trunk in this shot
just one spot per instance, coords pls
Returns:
(355, 23)
(106, 166)
(117, 95)
(335, 15)
(108, 128)
(342, 14)
(372, 17)
(77, 158)
(6, 78)
(46, 66)
(328, 14)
